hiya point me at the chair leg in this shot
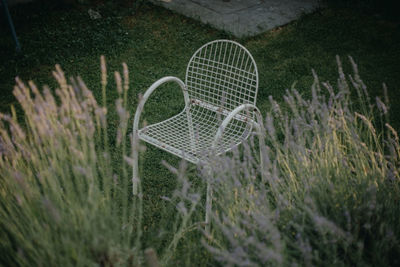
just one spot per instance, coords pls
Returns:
(263, 153)
(135, 167)
(208, 204)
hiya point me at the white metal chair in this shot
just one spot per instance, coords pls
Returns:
(220, 96)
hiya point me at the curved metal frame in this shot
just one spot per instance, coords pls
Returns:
(231, 114)
(217, 61)
(232, 42)
(225, 122)
(139, 109)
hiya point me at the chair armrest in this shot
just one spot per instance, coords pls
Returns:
(135, 138)
(149, 91)
(258, 125)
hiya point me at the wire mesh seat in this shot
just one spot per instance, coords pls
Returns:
(173, 135)
(220, 94)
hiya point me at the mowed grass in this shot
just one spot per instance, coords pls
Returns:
(155, 42)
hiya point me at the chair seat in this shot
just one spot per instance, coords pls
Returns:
(175, 136)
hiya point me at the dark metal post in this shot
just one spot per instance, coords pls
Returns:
(10, 22)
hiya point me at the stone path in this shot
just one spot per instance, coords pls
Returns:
(242, 17)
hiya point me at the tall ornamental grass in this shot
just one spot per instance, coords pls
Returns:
(65, 198)
(330, 190)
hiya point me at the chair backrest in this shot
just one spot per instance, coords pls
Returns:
(222, 74)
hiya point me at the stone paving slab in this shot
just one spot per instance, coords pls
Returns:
(242, 17)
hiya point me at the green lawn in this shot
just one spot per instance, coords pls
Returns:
(155, 42)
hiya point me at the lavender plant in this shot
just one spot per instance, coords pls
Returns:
(63, 199)
(329, 193)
